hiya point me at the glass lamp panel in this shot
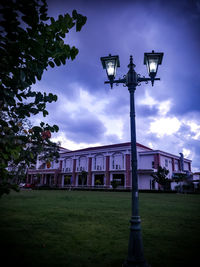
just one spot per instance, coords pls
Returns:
(153, 65)
(152, 60)
(111, 68)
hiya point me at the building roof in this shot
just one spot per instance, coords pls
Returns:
(127, 144)
(163, 153)
(147, 150)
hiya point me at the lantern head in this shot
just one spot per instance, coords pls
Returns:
(110, 63)
(152, 60)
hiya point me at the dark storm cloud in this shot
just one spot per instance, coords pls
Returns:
(118, 105)
(87, 130)
(133, 27)
(184, 130)
(194, 146)
(82, 127)
(146, 111)
(187, 95)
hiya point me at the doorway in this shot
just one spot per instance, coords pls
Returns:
(119, 178)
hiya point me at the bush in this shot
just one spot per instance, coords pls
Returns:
(114, 184)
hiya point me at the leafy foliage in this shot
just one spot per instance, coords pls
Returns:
(179, 177)
(114, 184)
(30, 42)
(98, 182)
(161, 177)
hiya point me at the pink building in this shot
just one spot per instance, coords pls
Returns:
(99, 166)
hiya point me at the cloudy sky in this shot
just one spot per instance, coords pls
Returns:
(89, 113)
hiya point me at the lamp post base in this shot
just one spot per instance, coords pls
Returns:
(135, 250)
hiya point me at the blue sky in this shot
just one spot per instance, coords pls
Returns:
(89, 113)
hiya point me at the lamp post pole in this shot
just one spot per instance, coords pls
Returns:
(131, 80)
(135, 247)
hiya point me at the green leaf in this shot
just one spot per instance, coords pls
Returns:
(51, 64)
(55, 98)
(74, 14)
(22, 75)
(44, 17)
(45, 113)
(57, 61)
(56, 128)
(73, 52)
(63, 60)
(37, 129)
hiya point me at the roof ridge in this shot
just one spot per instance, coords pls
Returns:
(110, 146)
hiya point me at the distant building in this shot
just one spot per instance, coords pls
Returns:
(196, 179)
(196, 176)
(99, 166)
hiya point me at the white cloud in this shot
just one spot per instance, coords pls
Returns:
(84, 105)
(162, 106)
(195, 128)
(148, 100)
(187, 153)
(165, 126)
(69, 144)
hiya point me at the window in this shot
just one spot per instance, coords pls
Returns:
(153, 165)
(117, 160)
(98, 162)
(166, 163)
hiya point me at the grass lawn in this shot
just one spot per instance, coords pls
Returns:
(91, 229)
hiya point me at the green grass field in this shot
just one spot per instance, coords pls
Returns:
(91, 229)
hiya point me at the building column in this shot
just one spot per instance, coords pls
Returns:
(156, 160)
(107, 171)
(173, 168)
(189, 166)
(55, 178)
(89, 183)
(74, 173)
(179, 165)
(59, 180)
(42, 179)
(128, 168)
(60, 166)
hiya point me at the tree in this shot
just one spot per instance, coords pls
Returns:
(184, 181)
(180, 177)
(161, 177)
(114, 184)
(30, 42)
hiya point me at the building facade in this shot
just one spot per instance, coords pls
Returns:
(100, 166)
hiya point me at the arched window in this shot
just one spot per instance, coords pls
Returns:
(99, 162)
(68, 164)
(117, 161)
(82, 162)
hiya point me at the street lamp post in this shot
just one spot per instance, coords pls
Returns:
(131, 80)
